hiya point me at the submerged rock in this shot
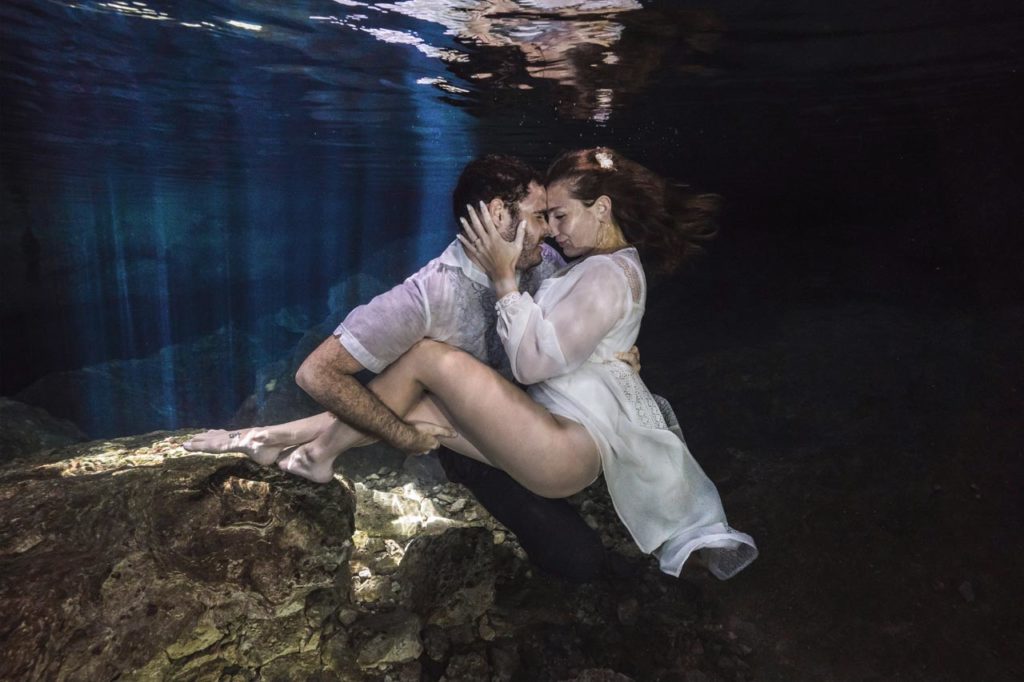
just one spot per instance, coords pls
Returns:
(389, 638)
(25, 429)
(600, 675)
(471, 666)
(192, 383)
(450, 577)
(133, 558)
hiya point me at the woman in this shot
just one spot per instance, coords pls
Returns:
(585, 412)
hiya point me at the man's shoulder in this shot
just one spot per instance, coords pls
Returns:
(437, 268)
(551, 255)
(551, 262)
(444, 281)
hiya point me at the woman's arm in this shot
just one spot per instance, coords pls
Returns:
(546, 343)
(543, 344)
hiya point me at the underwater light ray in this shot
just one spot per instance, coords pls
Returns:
(125, 314)
(446, 138)
(168, 380)
(225, 302)
(92, 326)
(329, 215)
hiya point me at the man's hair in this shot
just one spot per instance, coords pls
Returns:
(494, 175)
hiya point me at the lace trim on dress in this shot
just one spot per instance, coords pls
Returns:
(667, 413)
(639, 397)
(632, 276)
(503, 304)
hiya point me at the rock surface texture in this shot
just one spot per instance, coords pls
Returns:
(25, 429)
(133, 559)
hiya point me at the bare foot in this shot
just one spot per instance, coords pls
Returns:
(247, 441)
(310, 463)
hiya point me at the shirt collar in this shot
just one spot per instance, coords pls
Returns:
(455, 256)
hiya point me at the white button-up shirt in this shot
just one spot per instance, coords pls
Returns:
(449, 299)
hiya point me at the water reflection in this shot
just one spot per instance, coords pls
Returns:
(596, 51)
(572, 43)
(138, 9)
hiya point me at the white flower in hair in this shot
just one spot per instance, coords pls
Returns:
(604, 160)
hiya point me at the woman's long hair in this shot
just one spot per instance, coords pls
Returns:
(666, 221)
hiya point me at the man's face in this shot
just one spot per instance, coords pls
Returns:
(532, 209)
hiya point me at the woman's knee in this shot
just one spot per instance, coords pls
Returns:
(441, 358)
(431, 352)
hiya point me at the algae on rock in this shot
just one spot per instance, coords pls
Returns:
(149, 562)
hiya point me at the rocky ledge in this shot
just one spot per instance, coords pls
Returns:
(25, 429)
(134, 559)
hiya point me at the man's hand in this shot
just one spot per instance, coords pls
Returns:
(326, 375)
(422, 437)
(631, 357)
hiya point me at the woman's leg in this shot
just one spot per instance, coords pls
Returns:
(315, 460)
(548, 454)
(496, 420)
(263, 444)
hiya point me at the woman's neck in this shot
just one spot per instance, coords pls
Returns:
(609, 239)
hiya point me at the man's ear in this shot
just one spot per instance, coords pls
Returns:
(497, 209)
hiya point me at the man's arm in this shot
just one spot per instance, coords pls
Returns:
(327, 376)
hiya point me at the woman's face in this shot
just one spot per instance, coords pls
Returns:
(574, 225)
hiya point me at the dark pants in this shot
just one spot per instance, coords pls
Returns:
(553, 534)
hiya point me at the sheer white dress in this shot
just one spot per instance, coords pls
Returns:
(563, 342)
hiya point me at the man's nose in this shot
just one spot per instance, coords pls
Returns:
(549, 228)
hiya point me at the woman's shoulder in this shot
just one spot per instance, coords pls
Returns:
(621, 266)
(610, 258)
(626, 260)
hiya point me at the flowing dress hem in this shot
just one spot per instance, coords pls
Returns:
(725, 551)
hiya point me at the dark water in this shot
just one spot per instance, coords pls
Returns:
(175, 171)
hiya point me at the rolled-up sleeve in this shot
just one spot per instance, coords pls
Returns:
(379, 332)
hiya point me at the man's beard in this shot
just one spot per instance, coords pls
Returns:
(530, 257)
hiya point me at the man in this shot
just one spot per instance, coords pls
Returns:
(452, 300)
